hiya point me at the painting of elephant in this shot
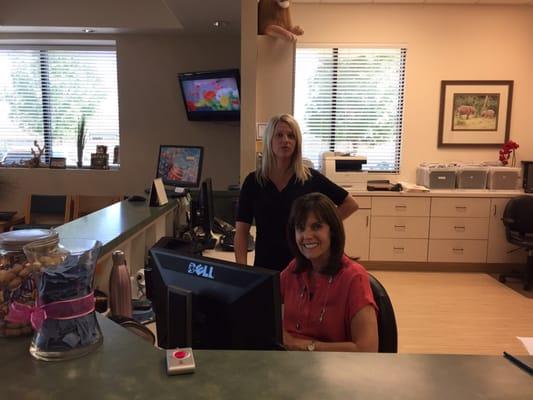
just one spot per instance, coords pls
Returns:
(488, 113)
(466, 111)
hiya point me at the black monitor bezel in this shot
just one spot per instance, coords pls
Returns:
(268, 276)
(211, 115)
(178, 183)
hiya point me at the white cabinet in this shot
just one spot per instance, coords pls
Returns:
(399, 229)
(357, 228)
(432, 228)
(499, 250)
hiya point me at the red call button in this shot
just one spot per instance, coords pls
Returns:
(180, 354)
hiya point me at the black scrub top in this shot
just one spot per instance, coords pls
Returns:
(271, 209)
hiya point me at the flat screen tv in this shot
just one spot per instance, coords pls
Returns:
(211, 95)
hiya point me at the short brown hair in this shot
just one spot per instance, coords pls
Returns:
(326, 212)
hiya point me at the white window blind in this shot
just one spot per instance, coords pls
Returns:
(45, 91)
(351, 100)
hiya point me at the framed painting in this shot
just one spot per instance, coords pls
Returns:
(475, 113)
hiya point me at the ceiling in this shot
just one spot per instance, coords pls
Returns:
(466, 2)
(121, 16)
(163, 16)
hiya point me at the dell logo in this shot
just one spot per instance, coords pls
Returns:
(205, 271)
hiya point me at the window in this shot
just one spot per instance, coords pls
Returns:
(351, 100)
(45, 91)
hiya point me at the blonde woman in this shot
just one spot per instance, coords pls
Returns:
(268, 193)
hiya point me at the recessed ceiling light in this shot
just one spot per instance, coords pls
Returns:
(88, 30)
(220, 24)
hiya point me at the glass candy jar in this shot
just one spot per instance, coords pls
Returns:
(16, 283)
(64, 317)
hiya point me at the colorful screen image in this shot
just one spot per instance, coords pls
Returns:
(180, 165)
(217, 94)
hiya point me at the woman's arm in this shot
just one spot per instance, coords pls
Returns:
(364, 329)
(241, 242)
(347, 207)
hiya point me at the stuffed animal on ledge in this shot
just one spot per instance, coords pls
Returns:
(274, 19)
(35, 161)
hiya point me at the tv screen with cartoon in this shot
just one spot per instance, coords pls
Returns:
(211, 95)
(180, 165)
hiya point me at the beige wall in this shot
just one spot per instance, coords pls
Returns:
(444, 43)
(151, 113)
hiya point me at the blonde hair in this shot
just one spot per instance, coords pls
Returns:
(301, 171)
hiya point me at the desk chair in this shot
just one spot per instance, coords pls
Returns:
(387, 330)
(84, 205)
(518, 221)
(45, 211)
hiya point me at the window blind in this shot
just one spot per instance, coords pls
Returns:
(44, 94)
(351, 100)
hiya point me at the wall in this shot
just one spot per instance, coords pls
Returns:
(151, 113)
(448, 42)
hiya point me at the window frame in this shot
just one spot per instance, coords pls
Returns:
(403, 48)
(43, 46)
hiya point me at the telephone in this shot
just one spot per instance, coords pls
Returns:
(221, 226)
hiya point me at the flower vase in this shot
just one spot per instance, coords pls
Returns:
(64, 316)
(513, 159)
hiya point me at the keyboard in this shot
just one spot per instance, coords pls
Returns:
(227, 242)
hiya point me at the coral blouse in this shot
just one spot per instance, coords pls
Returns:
(325, 314)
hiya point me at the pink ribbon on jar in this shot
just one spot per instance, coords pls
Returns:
(62, 310)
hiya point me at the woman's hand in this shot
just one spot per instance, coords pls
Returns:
(295, 343)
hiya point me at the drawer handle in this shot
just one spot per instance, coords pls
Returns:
(367, 220)
(400, 206)
(460, 228)
(399, 227)
(460, 208)
(458, 249)
(398, 249)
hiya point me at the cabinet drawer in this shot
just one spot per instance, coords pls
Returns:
(460, 207)
(459, 228)
(400, 227)
(457, 251)
(401, 206)
(398, 249)
(363, 201)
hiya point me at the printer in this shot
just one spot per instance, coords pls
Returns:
(345, 170)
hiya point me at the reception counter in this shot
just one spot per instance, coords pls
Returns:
(132, 227)
(126, 367)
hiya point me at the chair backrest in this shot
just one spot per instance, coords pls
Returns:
(84, 205)
(53, 210)
(387, 330)
(518, 215)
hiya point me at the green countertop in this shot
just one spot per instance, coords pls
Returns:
(114, 224)
(126, 367)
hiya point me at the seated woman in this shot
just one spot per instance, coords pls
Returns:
(328, 302)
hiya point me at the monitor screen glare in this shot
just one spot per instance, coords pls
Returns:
(180, 166)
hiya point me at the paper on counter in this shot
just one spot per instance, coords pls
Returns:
(528, 343)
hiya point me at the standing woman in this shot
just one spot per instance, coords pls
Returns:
(268, 193)
(327, 298)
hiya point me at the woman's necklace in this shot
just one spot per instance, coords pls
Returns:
(311, 294)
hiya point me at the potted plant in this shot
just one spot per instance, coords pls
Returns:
(82, 137)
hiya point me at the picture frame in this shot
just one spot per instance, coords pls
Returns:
(58, 162)
(475, 113)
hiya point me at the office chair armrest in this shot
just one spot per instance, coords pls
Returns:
(508, 221)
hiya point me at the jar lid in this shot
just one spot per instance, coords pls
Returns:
(15, 240)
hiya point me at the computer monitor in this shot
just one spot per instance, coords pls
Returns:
(180, 166)
(205, 303)
(205, 214)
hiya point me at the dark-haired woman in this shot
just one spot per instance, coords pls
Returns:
(328, 302)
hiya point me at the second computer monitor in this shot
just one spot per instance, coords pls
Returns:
(180, 166)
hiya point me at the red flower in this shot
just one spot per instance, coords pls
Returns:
(506, 151)
(209, 95)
